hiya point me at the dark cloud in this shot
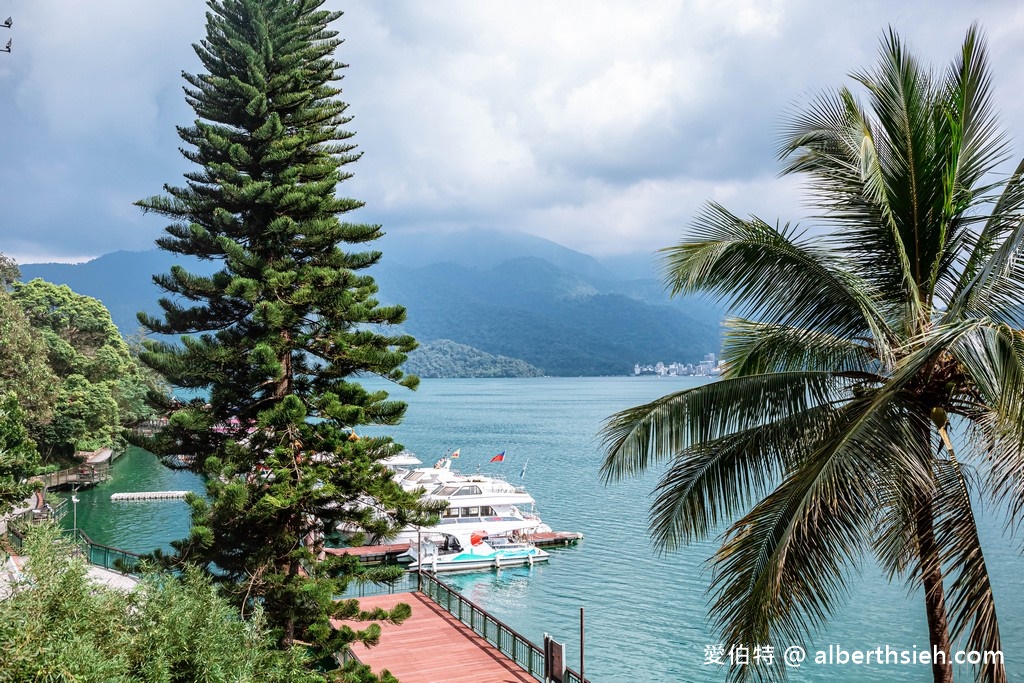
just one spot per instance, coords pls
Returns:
(598, 124)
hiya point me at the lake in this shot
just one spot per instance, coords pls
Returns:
(646, 613)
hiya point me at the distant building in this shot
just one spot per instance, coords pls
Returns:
(708, 367)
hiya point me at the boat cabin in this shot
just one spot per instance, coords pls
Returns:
(476, 511)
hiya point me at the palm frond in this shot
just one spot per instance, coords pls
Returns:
(784, 567)
(715, 481)
(638, 437)
(991, 283)
(834, 142)
(968, 145)
(895, 539)
(777, 278)
(750, 347)
(901, 100)
(993, 358)
(977, 140)
(969, 593)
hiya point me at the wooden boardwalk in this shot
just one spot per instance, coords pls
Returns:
(432, 646)
(372, 554)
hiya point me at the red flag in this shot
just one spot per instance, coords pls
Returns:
(500, 457)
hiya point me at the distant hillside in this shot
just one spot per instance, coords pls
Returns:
(122, 280)
(486, 249)
(498, 293)
(548, 316)
(445, 358)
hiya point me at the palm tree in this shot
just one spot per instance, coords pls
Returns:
(853, 358)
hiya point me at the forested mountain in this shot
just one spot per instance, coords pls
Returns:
(445, 358)
(503, 294)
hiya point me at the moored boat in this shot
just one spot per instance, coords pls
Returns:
(469, 551)
(473, 501)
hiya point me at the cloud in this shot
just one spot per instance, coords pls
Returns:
(602, 125)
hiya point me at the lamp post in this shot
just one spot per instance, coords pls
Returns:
(74, 508)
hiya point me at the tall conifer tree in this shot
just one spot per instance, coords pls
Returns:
(277, 333)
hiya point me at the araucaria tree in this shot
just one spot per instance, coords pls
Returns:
(273, 339)
(871, 369)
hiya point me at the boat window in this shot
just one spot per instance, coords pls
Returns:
(413, 476)
(487, 511)
(445, 491)
(469, 491)
(451, 512)
(471, 512)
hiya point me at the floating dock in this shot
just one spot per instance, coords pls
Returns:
(545, 539)
(372, 554)
(150, 495)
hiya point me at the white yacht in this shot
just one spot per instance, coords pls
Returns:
(474, 501)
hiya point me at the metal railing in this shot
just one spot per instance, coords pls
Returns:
(515, 646)
(108, 557)
(572, 676)
(27, 518)
(81, 475)
(406, 583)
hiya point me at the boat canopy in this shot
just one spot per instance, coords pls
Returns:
(403, 459)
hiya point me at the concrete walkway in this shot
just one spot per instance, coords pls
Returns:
(12, 572)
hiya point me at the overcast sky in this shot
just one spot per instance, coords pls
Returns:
(600, 125)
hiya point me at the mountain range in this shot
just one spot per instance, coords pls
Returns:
(504, 295)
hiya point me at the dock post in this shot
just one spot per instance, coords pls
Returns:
(583, 676)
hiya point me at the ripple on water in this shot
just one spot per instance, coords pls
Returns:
(646, 614)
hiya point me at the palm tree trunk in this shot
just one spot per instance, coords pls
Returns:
(934, 594)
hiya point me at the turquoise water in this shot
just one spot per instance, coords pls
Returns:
(138, 526)
(646, 614)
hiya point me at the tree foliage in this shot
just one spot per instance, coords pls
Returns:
(445, 358)
(9, 271)
(275, 336)
(100, 387)
(855, 358)
(19, 459)
(24, 370)
(61, 625)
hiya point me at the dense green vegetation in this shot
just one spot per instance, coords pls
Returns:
(60, 625)
(277, 332)
(445, 358)
(18, 456)
(99, 387)
(831, 434)
(72, 374)
(24, 370)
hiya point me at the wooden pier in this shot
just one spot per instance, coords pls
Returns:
(372, 554)
(545, 539)
(82, 476)
(433, 645)
(450, 638)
